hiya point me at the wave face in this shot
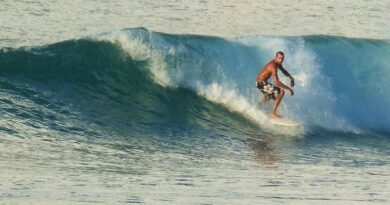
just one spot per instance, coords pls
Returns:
(139, 81)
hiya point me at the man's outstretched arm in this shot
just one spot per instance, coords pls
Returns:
(284, 71)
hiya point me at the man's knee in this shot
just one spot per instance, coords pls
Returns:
(282, 92)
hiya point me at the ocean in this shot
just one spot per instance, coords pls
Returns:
(155, 102)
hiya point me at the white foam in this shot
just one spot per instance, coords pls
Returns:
(231, 99)
(140, 48)
(314, 98)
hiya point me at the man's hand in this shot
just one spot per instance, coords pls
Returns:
(292, 82)
(291, 91)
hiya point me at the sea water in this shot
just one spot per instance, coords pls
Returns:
(155, 102)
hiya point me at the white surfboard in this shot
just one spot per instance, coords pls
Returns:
(285, 122)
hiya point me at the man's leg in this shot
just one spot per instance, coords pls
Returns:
(276, 104)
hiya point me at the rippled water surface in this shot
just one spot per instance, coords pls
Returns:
(40, 22)
(96, 111)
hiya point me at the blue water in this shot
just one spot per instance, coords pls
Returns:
(135, 116)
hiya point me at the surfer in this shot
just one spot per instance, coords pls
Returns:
(270, 91)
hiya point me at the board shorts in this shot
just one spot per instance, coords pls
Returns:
(269, 90)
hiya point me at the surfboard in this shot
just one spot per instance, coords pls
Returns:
(285, 122)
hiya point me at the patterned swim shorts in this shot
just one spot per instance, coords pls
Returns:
(268, 89)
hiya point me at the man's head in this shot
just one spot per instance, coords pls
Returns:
(279, 57)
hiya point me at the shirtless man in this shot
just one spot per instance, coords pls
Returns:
(274, 91)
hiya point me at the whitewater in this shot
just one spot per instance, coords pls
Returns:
(150, 114)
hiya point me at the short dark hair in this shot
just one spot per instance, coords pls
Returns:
(279, 52)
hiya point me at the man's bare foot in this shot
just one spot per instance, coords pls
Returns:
(275, 116)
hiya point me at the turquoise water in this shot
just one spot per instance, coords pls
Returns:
(133, 115)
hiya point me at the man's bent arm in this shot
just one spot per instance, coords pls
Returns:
(284, 71)
(277, 81)
(287, 74)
